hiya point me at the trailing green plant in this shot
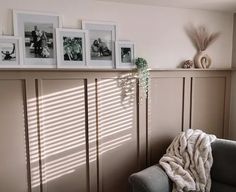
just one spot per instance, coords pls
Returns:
(143, 73)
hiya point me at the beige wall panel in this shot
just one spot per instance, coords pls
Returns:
(92, 134)
(13, 168)
(63, 135)
(166, 110)
(232, 133)
(208, 104)
(118, 145)
(111, 138)
(33, 136)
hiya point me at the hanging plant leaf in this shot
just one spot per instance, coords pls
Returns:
(143, 73)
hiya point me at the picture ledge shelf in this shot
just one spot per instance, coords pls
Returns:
(112, 70)
(67, 69)
(192, 69)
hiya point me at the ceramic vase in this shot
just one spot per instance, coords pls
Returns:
(202, 60)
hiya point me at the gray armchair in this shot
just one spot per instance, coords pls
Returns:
(223, 172)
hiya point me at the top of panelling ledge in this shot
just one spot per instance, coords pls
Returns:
(112, 70)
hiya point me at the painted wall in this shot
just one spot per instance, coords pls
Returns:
(157, 31)
(233, 107)
(234, 43)
(233, 87)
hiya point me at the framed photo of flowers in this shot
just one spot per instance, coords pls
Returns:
(38, 32)
(71, 48)
(125, 54)
(101, 43)
(11, 52)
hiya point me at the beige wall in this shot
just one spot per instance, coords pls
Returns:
(233, 107)
(157, 31)
(186, 99)
(234, 43)
(81, 130)
(233, 89)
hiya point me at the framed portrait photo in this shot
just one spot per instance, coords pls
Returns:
(11, 52)
(38, 32)
(125, 54)
(101, 43)
(71, 48)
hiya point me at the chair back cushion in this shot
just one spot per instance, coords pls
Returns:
(223, 171)
(220, 187)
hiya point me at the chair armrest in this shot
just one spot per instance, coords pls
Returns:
(152, 179)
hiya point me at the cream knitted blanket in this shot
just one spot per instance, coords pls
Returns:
(188, 161)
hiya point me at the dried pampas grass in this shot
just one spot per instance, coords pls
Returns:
(200, 37)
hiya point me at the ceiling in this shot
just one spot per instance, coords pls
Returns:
(219, 5)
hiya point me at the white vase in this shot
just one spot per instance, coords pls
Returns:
(202, 60)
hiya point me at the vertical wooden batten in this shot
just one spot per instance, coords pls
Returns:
(27, 135)
(226, 131)
(92, 133)
(142, 111)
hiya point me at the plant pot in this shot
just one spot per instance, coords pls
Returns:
(202, 60)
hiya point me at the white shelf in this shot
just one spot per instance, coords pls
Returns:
(191, 69)
(113, 70)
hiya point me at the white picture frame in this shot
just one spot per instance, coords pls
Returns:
(11, 55)
(38, 33)
(106, 33)
(75, 41)
(125, 55)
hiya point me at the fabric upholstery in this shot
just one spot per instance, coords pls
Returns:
(221, 187)
(223, 172)
(224, 165)
(146, 180)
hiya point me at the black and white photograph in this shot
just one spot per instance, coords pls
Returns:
(102, 37)
(125, 54)
(38, 40)
(71, 48)
(101, 45)
(10, 54)
(8, 51)
(38, 32)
